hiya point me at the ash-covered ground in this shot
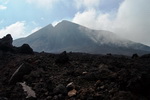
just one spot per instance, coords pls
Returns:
(26, 75)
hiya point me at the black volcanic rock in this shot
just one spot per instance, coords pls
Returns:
(26, 49)
(93, 77)
(60, 89)
(6, 46)
(62, 58)
(146, 56)
(135, 56)
(6, 43)
(122, 95)
(22, 70)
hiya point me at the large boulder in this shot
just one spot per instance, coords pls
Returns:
(60, 89)
(18, 75)
(26, 49)
(6, 46)
(6, 43)
(62, 58)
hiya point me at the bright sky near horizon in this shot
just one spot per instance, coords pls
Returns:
(127, 18)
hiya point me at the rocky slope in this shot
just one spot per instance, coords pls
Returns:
(68, 36)
(6, 46)
(73, 76)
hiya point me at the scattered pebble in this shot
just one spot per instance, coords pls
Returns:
(72, 93)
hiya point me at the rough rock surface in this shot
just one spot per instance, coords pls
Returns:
(6, 43)
(80, 77)
(18, 75)
(106, 78)
(26, 49)
(62, 58)
(6, 46)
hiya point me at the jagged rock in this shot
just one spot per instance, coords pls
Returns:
(140, 84)
(3, 98)
(146, 56)
(100, 75)
(123, 95)
(28, 90)
(6, 43)
(135, 56)
(49, 85)
(26, 49)
(90, 77)
(97, 84)
(22, 70)
(109, 54)
(70, 86)
(49, 98)
(63, 58)
(1, 53)
(60, 89)
(105, 78)
(105, 73)
(55, 97)
(85, 94)
(72, 93)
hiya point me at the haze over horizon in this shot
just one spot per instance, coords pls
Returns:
(126, 18)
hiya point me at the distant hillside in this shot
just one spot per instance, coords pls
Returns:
(68, 36)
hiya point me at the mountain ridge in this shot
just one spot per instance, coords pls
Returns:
(69, 36)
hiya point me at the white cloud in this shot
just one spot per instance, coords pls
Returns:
(92, 19)
(2, 7)
(17, 30)
(132, 20)
(43, 3)
(87, 3)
